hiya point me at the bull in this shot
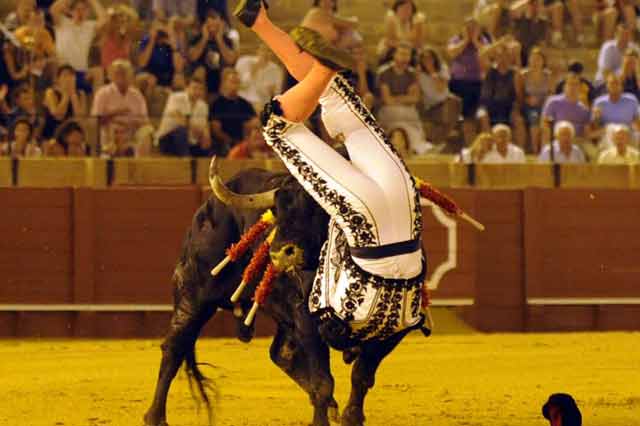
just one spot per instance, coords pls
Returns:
(297, 347)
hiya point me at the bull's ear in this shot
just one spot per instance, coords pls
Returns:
(342, 150)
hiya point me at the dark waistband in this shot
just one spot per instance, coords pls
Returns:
(387, 250)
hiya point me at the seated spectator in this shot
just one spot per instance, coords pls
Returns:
(629, 73)
(498, 94)
(556, 8)
(117, 35)
(481, 146)
(118, 144)
(21, 15)
(440, 107)
(119, 103)
(564, 149)
(229, 113)
(260, 77)
(71, 139)
(165, 9)
(566, 107)
(620, 152)
(157, 56)
(21, 142)
(25, 107)
(13, 72)
(323, 17)
(253, 145)
(403, 24)
(530, 27)
(362, 78)
(534, 85)
(615, 107)
(63, 101)
(587, 91)
(184, 128)
(504, 152)
(212, 50)
(464, 50)
(400, 96)
(611, 54)
(74, 36)
(562, 410)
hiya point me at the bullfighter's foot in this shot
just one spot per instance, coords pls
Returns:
(151, 420)
(352, 416)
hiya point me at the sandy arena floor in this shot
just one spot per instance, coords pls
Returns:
(445, 380)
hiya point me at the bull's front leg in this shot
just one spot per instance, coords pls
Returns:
(363, 377)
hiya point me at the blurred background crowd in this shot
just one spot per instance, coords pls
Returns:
(138, 78)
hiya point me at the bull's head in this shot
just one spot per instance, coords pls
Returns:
(301, 222)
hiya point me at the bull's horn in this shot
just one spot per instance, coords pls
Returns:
(259, 201)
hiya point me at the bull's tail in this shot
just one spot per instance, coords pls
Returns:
(202, 388)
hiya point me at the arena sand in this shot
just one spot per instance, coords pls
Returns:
(447, 380)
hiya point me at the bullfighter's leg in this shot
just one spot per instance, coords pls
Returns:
(363, 376)
(291, 358)
(178, 346)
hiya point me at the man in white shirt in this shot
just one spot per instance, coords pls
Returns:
(75, 33)
(504, 152)
(260, 78)
(184, 129)
(621, 152)
(564, 149)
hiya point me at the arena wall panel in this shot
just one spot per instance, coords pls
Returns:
(600, 176)
(6, 177)
(61, 172)
(152, 171)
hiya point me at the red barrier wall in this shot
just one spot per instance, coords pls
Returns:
(119, 246)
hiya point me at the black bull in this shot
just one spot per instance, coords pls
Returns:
(297, 347)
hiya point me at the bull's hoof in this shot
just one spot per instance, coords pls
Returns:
(352, 417)
(351, 354)
(150, 421)
(334, 412)
(244, 333)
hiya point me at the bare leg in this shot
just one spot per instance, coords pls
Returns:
(299, 102)
(297, 61)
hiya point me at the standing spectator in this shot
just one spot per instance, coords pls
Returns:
(229, 113)
(63, 101)
(400, 96)
(556, 8)
(611, 52)
(116, 38)
(440, 107)
(21, 141)
(466, 72)
(13, 72)
(629, 73)
(482, 145)
(620, 152)
(566, 107)
(504, 151)
(530, 28)
(37, 41)
(20, 17)
(562, 410)
(260, 77)
(158, 57)
(71, 139)
(253, 145)
(564, 149)
(185, 123)
(26, 107)
(119, 103)
(615, 107)
(75, 34)
(587, 91)
(403, 24)
(534, 85)
(212, 50)
(498, 94)
(323, 17)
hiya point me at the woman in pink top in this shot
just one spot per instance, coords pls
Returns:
(117, 35)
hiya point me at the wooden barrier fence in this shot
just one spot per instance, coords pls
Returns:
(98, 261)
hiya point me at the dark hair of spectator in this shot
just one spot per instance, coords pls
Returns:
(22, 89)
(212, 12)
(16, 123)
(575, 67)
(571, 415)
(316, 3)
(65, 67)
(437, 62)
(65, 130)
(398, 3)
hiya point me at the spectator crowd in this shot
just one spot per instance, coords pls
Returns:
(136, 78)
